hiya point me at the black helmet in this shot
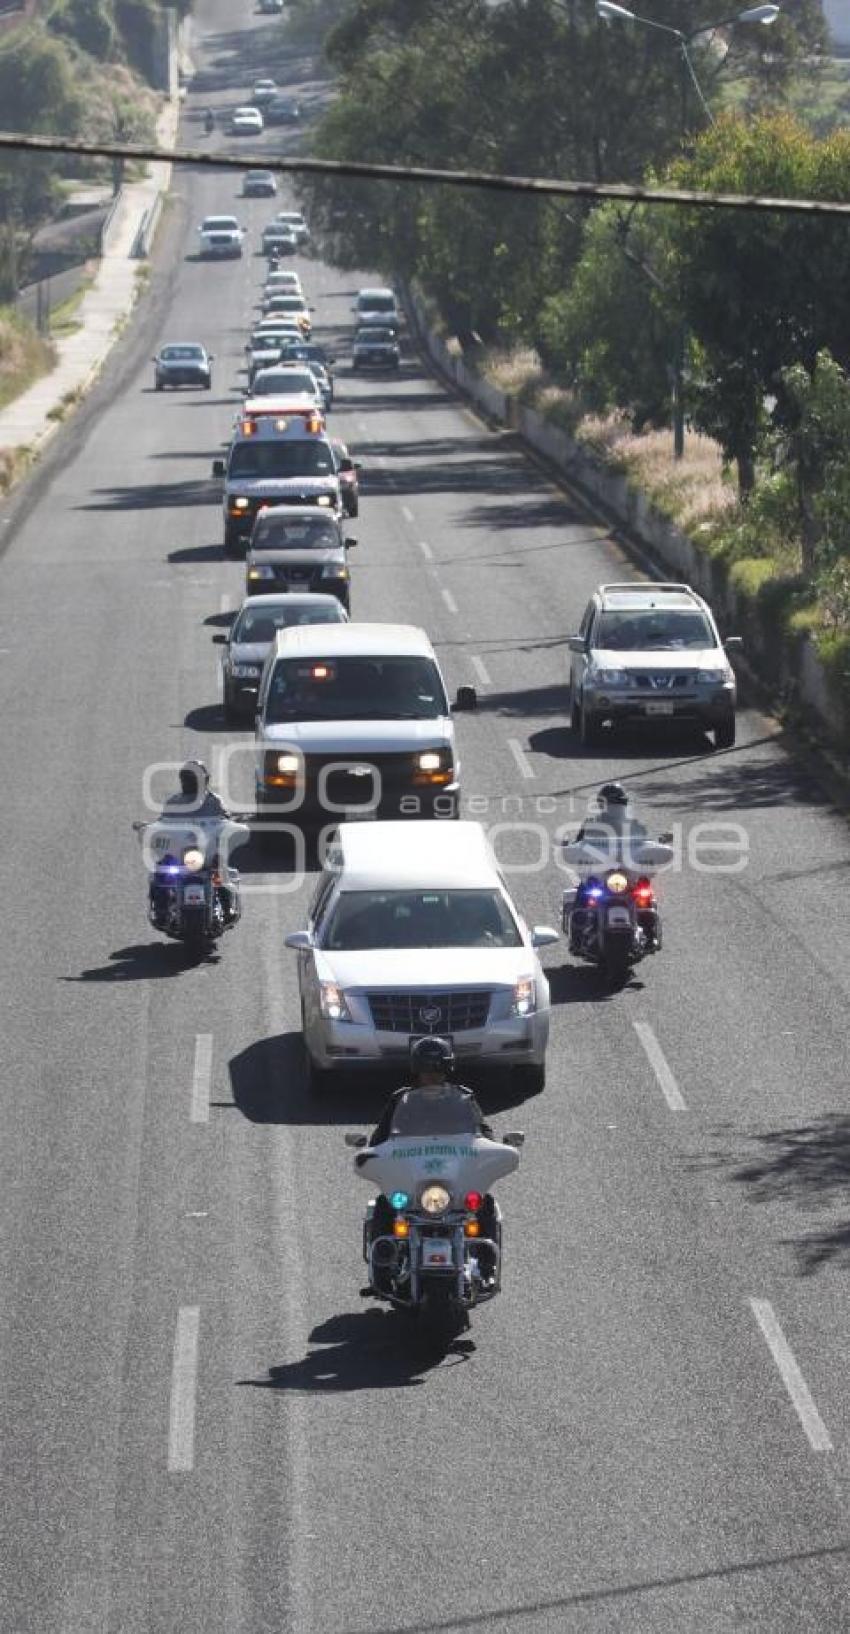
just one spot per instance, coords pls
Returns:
(613, 794)
(431, 1054)
(194, 779)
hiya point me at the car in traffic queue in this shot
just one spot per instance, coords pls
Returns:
(251, 635)
(268, 344)
(278, 240)
(183, 363)
(267, 465)
(405, 940)
(295, 220)
(246, 121)
(285, 377)
(299, 547)
(374, 347)
(285, 304)
(283, 110)
(354, 720)
(311, 351)
(263, 91)
(284, 281)
(650, 654)
(259, 184)
(376, 306)
(221, 238)
(270, 7)
(349, 476)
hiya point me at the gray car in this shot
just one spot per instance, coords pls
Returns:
(375, 348)
(650, 654)
(184, 363)
(296, 547)
(252, 634)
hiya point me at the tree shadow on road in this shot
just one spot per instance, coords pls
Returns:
(159, 496)
(808, 1166)
(366, 1350)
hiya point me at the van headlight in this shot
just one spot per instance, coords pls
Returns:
(525, 997)
(332, 1002)
(433, 766)
(334, 570)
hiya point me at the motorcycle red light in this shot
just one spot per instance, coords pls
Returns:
(643, 893)
(473, 1201)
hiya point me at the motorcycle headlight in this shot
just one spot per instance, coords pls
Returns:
(435, 1199)
(525, 997)
(193, 859)
(332, 1002)
(617, 883)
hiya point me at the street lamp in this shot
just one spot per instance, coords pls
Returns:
(610, 12)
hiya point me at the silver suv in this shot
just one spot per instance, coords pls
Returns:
(651, 653)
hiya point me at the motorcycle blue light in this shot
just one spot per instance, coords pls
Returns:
(399, 1199)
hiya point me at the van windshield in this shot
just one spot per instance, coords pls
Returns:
(355, 688)
(299, 457)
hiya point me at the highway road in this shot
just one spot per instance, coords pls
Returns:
(205, 1429)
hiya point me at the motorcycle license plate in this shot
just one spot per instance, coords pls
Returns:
(436, 1253)
(193, 896)
(618, 917)
(658, 709)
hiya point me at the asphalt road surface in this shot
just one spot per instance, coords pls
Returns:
(205, 1430)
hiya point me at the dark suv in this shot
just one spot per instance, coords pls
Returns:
(295, 547)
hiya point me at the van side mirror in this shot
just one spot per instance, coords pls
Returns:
(220, 640)
(733, 643)
(467, 698)
(543, 936)
(299, 939)
(576, 643)
(357, 1141)
(218, 468)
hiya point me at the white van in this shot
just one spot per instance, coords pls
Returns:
(353, 721)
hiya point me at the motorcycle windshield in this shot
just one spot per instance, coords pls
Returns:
(444, 1112)
(460, 1162)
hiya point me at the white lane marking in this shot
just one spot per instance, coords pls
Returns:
(225, 604)
(660, 1066)
(449, 600)
(792, 1378)
(480, 669)
(201, 1075)
(407, 513)
(184, 1378)
(426, 550)
(521, 758)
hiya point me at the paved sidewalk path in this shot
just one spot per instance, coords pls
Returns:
(24, 422)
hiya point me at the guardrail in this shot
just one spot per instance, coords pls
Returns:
(110, 221)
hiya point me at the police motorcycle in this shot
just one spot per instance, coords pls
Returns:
(611, 915)
(432, 1258)
(193, 895)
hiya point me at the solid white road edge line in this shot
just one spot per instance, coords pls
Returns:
(184, 1378)
(792, 1378)
(480, 669)
(449, 600)
(201, 1075)
(426, 550)
(660, 1066)
(521, 758)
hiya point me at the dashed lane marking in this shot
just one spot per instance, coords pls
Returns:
(201, 1076)
(426, 550)
(449, 600)
(521, 758)
(661, 1067)
(789, 1372)
(184, 1379)
(480, 669)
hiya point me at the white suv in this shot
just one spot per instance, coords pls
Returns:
(651, 653)
(221, 236)
(404, 940)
